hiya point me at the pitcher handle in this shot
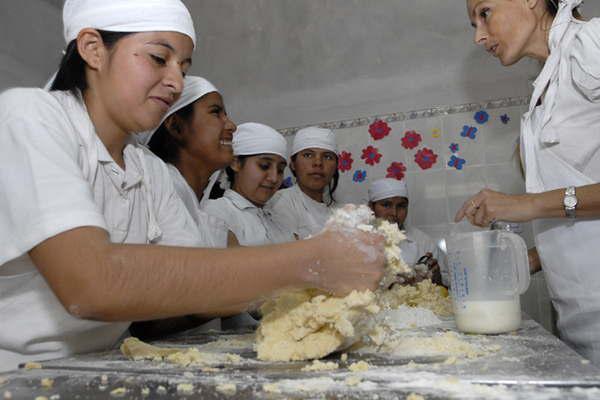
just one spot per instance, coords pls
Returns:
(519, 256)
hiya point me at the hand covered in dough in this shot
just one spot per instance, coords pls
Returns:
(352, 254)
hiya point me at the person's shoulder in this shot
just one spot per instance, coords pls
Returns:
(587, 36)
(17, 101)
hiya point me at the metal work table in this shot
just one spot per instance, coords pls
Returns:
(530, 364)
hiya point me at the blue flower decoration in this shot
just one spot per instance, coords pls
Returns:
(481, 117)
(504, 118)
(287, 182)
(454, 147)
(359, 176)
(469, 132)
(456, 162)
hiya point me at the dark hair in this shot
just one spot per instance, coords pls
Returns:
(165, 145)
(331, 188)
(231, 173)
(552, 7)
(71, 71)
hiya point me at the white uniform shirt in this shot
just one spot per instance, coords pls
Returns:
(213, 232)
(415, 246)
(560, 143)
(299, 213)
(56, 175)
(252, 225)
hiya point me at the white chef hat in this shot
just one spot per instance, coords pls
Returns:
(127, 16)
(314, 137)
(386, 188)
(253, 138)
(194, 87)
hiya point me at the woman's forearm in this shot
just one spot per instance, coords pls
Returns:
(95, 279)
(550, 204)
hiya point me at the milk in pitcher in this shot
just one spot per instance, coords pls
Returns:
(488, 316)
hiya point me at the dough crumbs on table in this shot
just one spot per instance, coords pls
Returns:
(450, 361)
(55, 397)
(271, 388)
(209, 369)
(32, 365)
(585, 362)
(185, 388)
(344, 357)
(227, 388)
(359, 366)
(188, 374)
(136, 350)
(414, 396)
(104, 380)
(321, 366)
(41, 398)
(352, 380)
(160, 389)
(145, 391)
(47, 383)
(118, 392)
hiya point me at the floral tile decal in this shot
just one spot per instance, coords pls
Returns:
(379, 129)
(469, 132)
(371, 155)
(425, 158)
(359, 176)
(435, 133)
(456, 162)
(345, 161)
(481, 117)
(396, 170)
(454, 147)
(411, 139)
(504, 118)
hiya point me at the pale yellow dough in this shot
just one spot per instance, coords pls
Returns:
(298, 326)
(136, 350)
(305, 325)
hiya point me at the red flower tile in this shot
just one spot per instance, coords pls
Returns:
(345, 161)
(411, 139)
(379, 129)
(425, 158)
(371, 155)
(396, 170)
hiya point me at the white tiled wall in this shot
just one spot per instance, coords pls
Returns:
(438, 192)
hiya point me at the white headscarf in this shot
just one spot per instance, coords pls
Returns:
(253, 138)
(127, 16)
(194, 87)
(314, 137)
(386, 188)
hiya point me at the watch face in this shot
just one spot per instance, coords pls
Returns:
(570, 202)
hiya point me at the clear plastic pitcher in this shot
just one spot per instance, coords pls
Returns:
(489, 270)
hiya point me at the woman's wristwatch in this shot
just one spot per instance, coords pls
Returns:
(570, 202)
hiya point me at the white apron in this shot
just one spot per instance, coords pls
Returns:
(569, 249)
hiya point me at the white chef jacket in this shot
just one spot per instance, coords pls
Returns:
(56, 175)
(213, 232)
(560, 143)
(252, 225)
(299, 213)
